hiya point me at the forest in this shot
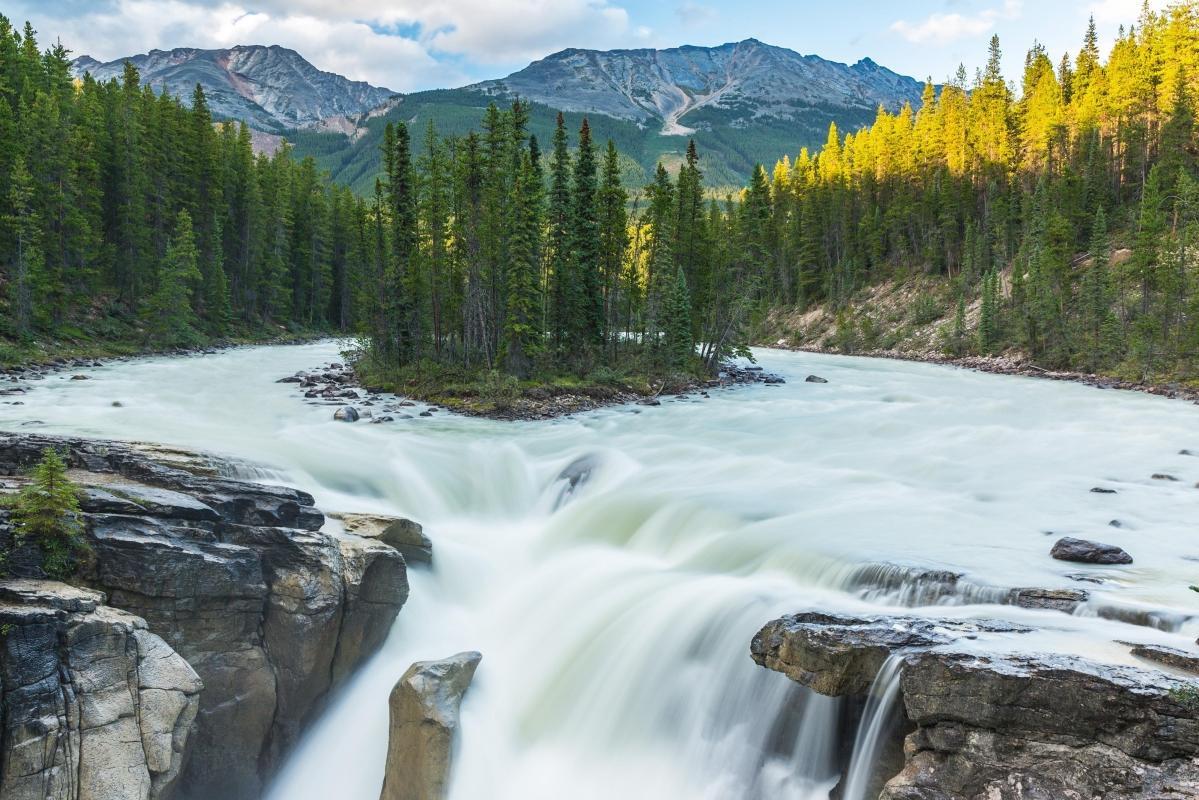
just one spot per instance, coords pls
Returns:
(1056, 217)
(1065, 209)
(126, 216)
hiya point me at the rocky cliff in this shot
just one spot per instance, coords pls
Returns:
(271, 88)
(237, 579)
(1004, 725)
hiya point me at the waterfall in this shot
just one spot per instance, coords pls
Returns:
(613, 567)
(873, 729)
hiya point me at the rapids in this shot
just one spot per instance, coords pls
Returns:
(615, 619)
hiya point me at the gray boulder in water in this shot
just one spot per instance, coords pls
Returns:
(346, 414)
(1086, 552)
(815, 379)
(424, 719)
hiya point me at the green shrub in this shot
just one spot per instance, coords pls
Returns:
(926, 309)
(47, 512)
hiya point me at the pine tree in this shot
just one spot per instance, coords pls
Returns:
(679, 345)
(522, 330)
(47, 511)
(169, 314)
(584, 295)
(560, 258)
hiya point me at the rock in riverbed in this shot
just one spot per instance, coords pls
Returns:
(815, 379)
(346, 414)
(1082, 551)
(424, 720)
(404, 535)
(1001, 726)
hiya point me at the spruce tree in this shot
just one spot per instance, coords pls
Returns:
(679, 346)
(170, 318)
(47, 511)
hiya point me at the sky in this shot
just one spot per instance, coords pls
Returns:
(408, 45)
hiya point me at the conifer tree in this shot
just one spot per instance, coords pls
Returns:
(169, 315)
(47, 511)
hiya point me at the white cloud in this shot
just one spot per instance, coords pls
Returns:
(1120, 12)
(401, 44)
(941, 28)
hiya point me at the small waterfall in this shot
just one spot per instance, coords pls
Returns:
(872, 730)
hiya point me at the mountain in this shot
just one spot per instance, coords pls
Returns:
(680, 88)
(272, 88)
(744, 103)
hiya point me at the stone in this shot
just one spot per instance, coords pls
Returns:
(1082, 551)
(236, 578)
(1164, 476)
(1168, 656)
(1064, 600)
(424, 709)
(1003, 726)
(404, 535)
(80, 378)
(346, 414)
(1102, 490)
(815, 379)
(95, 705)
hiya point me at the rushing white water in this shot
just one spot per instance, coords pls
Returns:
(880, 706)
(615, 623)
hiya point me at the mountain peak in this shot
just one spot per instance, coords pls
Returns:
(271, 87)
(681, 88)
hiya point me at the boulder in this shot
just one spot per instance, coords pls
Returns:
(1082, 551)
(815, 379)
(238, 579)
(1004, 726)
(404, 535)
(1102, 490)
(95, 705)
(424, 719)
(346, 414)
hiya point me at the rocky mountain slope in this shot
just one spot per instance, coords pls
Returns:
(743, 103)
(683, 89)
(271, 88)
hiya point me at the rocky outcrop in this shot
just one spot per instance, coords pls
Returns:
(95, 706)
(404, 535)
(1002, 726)
(424, 719)
(239, 580)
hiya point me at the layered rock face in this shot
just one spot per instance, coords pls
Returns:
(239, 580)
(94, 704)
(1001, 726)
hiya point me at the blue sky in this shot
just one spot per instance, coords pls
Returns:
(416, 44)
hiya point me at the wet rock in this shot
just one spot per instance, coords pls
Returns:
(95, 705)
(346, 414)
(1002, 726)
(1187, 453)
(424, 709)
(649, 401)
(1064, 600)
(269, 611)
(80, 378)
(815, 379)
(382, 419)
(1169, 656)
(1115, 523)
(1163, 476)
(426, 413)
(1083, 551)
(1102, 490)
(404, 535)
(838, 655)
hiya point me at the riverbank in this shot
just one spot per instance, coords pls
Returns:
(120, 340)
(48, 357)
(1007, 365)
(502, 398)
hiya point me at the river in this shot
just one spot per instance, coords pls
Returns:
(615, 620)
